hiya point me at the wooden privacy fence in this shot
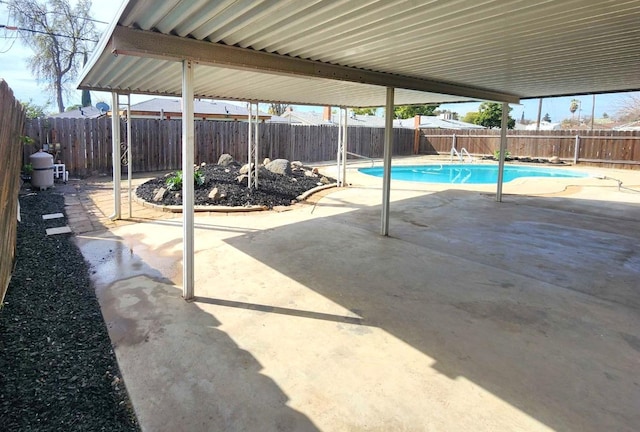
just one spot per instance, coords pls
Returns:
(604, 148)
(12, 117)
(84, 145)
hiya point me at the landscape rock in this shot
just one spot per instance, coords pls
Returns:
(245, 169)
(310, 174)
(315, 170)
(159, 194)
(243, 179)
(325, 180)
(266, 161)
(296, 165)
(554, 160)
(279, 166)
(226, 159)
(214, 194)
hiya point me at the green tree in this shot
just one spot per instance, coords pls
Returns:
(490, 116)
(471, 117)
(547, 118)
(410, 111)
(59, 36)
(34, 111)
(605, 115)
(364, 111)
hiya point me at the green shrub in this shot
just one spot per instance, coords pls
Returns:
(496, 154)
(174, 182)
(198, 178)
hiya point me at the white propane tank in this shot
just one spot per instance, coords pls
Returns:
(42, 176)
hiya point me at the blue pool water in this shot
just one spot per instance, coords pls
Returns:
(468, 173)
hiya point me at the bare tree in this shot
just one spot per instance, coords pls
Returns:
(60, 35)
(629, 107)
(277, 109)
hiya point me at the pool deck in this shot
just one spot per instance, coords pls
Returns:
(471, 315)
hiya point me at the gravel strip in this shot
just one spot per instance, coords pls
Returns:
(58, 371)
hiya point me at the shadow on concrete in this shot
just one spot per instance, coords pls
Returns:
(534, 300)
(182, 372)
(282, 311)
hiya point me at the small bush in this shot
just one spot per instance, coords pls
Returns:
(496, 154)
(174, 182)
(198, 178)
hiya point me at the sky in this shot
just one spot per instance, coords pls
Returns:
(14, 70)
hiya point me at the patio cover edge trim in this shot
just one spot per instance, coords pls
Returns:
(128, 41)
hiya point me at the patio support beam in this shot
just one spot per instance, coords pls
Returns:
(188, 279)
(345, 132)
(388, 145)
(115, 161)
(503, 149)
(129, 155)
(142, 43)
(250, 146)
(339, 153)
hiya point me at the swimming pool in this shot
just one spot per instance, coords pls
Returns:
(469, 173)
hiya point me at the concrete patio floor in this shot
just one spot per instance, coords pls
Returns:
(472, 315)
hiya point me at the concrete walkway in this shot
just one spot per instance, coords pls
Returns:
(472, 315)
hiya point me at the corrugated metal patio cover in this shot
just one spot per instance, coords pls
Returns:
(344, 52)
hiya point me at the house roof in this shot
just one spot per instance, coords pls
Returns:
(433, 122)
(313, 118)
(84, 112)
(206, 108)
(345, 53)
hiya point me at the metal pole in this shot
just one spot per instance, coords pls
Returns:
(388, 144)
(576, 150)
(593, 111)
(339, 152)
(345, 132)
(453, 147)
(188, 279)
(257, 146)
(115, 144)
(503, 148)
(129, 153)
(249, 148)
(539, 114)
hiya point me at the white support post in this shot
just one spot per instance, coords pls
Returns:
(188, 251)
(388, 145)
(503, 149)
(257, 146)
(115, 144)
(339, 151)
(250, 148)
(453, 147)
(345, 133)
(576, 150)
(129, 154)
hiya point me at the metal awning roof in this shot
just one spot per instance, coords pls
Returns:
(344, 52)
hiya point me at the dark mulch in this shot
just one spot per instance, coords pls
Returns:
(274, 189)
(525, 160)
(58, 371)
